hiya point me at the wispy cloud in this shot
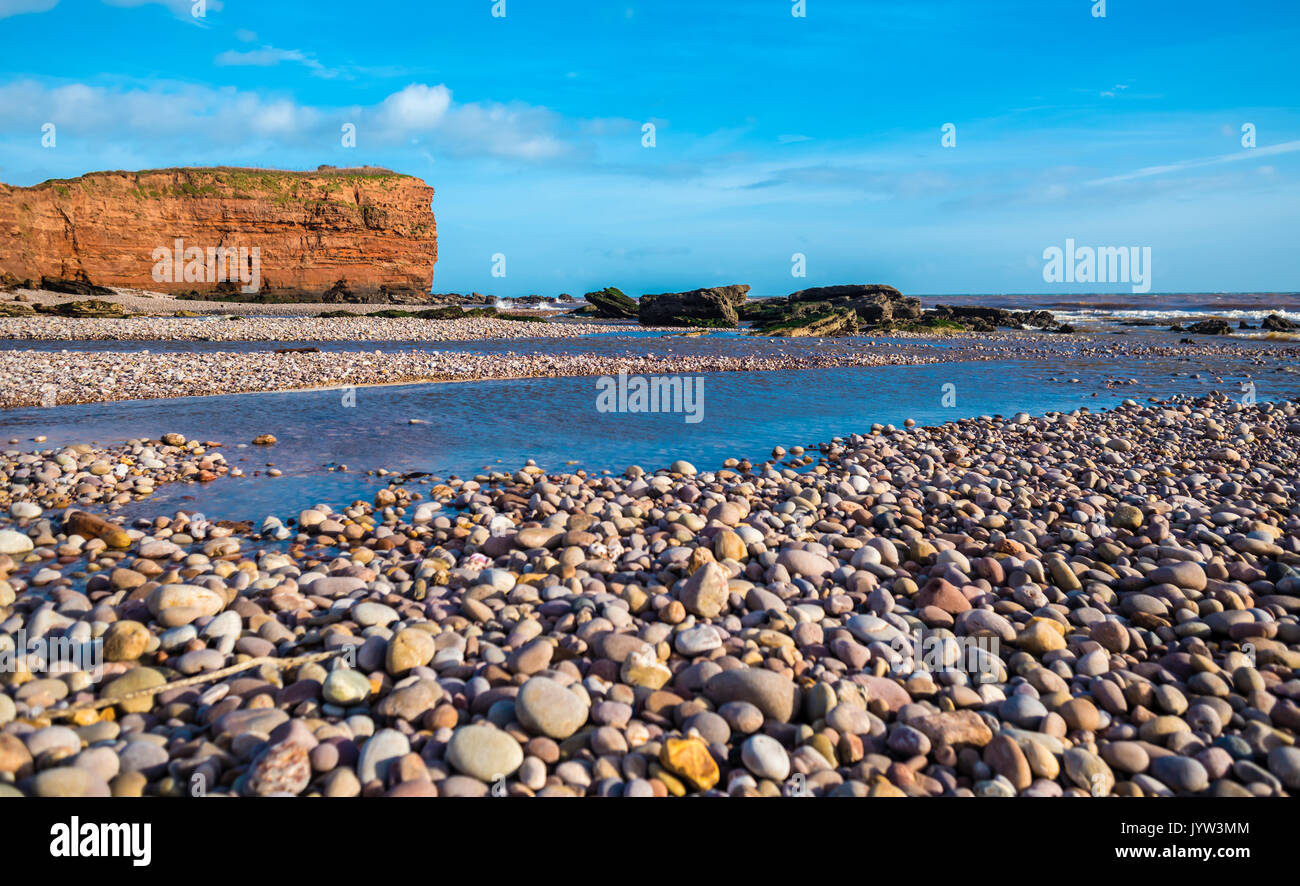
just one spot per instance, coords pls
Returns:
(640, 253)
(19, 7)
(1251, 154)
(269, 56)
(181, 8)
(188, 9)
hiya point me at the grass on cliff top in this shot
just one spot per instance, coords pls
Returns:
(203, 180)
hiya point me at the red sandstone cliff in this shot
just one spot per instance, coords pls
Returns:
(370, 227)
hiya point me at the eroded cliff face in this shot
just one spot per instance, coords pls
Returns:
(288, 232)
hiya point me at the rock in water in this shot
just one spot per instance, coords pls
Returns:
(14, 543)
(91, 526)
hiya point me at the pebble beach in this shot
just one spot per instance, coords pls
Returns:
(1075, 603)
(277, 329)
(523, 406)
(1130, 580)
(33, 378)
(75, 374)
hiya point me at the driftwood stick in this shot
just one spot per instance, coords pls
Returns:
(197, 679)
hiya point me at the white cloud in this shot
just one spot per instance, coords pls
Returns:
(519, 131)
(19, 7)
(421, 112)
(416, 107)
(166, 121)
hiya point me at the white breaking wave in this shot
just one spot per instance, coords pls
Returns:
(1169, 316)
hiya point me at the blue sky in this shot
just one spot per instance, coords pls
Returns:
(774, 134)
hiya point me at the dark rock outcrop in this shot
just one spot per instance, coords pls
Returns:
(8, 283)
(611, 304)
(979, 318)
(79, 286)
(1274, 323)
(343, 294)
(711, 307)
(1211, 327)
(338, 294)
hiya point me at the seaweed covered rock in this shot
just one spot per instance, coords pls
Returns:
(983, 319)
(610, 303)
(872, 304)
(89, 308)
(821, 325)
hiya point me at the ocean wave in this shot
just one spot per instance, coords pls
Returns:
(1170, 316)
